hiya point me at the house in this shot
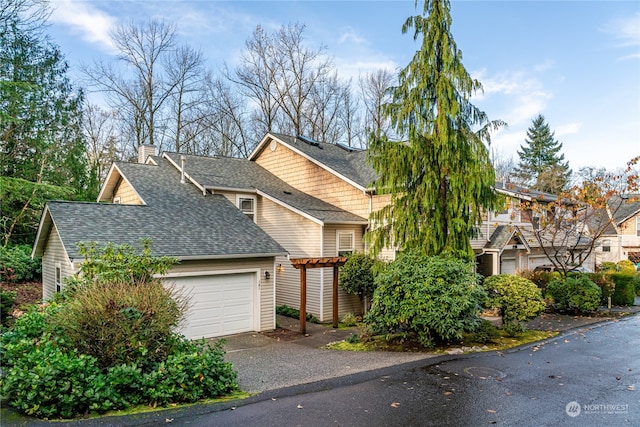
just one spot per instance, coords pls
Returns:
(226, 261)
(228, 218)
(621, 238)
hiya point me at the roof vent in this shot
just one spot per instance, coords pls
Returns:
(182, 160)
(345, 147)
(308, 140)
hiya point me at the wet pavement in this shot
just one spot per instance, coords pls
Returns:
(344, 388)
(588, 376)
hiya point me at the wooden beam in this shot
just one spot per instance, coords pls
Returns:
(335, 296)
(303, 300)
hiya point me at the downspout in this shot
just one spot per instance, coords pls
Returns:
(322, 273)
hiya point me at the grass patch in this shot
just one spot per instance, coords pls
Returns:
(467, 345)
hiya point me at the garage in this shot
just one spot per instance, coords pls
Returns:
(508, 266)
(220, 304)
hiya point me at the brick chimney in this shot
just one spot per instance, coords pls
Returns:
(146, 150)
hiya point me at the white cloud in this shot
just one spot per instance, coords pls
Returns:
(352, 69)
(515, 95)
(626, 30)
(568, 129)
(351, 35)
(627, 33)
(91, 24)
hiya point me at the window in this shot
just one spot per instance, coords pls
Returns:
(638, 226)
(345, 242)
(116, 200)
(58, 278)
(606, 245)
(248, 206)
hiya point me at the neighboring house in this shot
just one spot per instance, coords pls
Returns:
(232, 221)
(507, 243)
(621, 239)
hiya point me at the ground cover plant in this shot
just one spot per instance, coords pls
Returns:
(107, 343)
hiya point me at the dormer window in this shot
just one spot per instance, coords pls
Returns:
(247, 204)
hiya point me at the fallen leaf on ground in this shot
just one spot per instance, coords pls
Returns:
(299, 406)
(395, 405)
(447, 393)
(493, 411)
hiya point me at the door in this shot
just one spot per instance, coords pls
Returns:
(219, 305)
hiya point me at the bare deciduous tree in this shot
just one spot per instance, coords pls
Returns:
(375, 93)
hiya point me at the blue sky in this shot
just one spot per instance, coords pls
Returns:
(575, 62)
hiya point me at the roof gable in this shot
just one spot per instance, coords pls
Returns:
(348, 164)
(179, 219)
(242, 175)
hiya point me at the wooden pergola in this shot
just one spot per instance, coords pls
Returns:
(302, 264)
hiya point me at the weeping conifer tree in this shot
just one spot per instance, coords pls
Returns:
(439, 176)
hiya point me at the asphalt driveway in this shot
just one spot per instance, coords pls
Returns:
(265, 363)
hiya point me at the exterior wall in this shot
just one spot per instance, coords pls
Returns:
(301, 238)
(126, 193)
(54, 253)
(266, 287)
(310, 178)
(347, 303)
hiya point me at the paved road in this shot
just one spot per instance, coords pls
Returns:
(592, 373)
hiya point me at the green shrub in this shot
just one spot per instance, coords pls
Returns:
(626, 267)
(574, 293)
(357, 276)
(608, 267)
(427, 298)
(349, 319)
(625, 292)
(486, 332)
(7, 298)
(196, 373)
(605, 283)
(16, 264)
(108, 345)
(517, 299)
(285, 310)
(121, 323)
(47, 381)
(636, 281)
(540, 278)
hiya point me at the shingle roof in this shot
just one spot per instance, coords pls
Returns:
(179, 219)
(524, 192)
(348, 162)
(241, 174)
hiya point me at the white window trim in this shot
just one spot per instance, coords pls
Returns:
(239, 197)
(606, 243)
(116, 200)
(638, 226)
(353, 241)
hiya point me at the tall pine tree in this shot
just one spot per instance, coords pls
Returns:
(440, 179)
(542, 166)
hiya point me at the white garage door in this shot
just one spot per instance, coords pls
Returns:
(508, 266)
(219, 305)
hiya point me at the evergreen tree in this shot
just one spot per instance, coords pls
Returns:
(41, 142)
(440, 179)
(542, 165)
